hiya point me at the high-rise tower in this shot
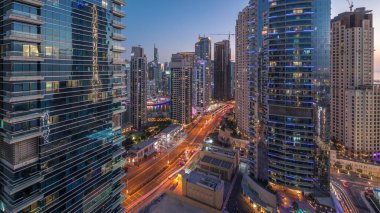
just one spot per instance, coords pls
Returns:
(61, 104)
(296, 97)
(202, 75)
(222, 71)
(182, 65)
(138, 87)
(354, 97)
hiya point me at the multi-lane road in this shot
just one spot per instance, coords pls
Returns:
(149, 175)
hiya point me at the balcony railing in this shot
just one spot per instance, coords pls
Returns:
(118, 36)
(23, 95)
(23, 36)
(24, 17)
(117, 48)
(11, 189)
(118, 12)
(117, 24)
(121, 2)
(23, 76)
(22, 56)
(118, 61)
(37, 3)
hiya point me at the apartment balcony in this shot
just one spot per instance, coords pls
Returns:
(118, 61)
(118, 189)
(22, 135)
(118, 73)
(117, 48)
(121, 2)
(23, 96)
(119, 110)
(37, 3)
(118, 177)
(23, 76)
(15, 15)
(118, 37)
(118, 12)
(23, 36)
(117, 24)
(117, 99)
(118, 164)
(117, 141)
(29, 116)
(22, 203)
(118, 86)
(22, 56)
(12, 189)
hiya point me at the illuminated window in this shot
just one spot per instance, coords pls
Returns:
(73, 83)
(48, 51)
(297, 11)
(297, 63)
(52, 86)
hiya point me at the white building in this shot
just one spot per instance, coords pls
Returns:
(355, 117)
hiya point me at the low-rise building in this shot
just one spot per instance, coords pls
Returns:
(219, 160)
(370, 169)
(143, 149)
(203, 187)
(170, 134)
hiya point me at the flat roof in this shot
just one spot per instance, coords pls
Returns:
(145, 143)
(217, 162)
(204, 181)
(170, 128)
(220, 151)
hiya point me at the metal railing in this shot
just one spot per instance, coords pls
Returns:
(26, 35)
(24, 15)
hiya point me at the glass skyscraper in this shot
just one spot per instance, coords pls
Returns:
(296, 96)
(61, 92)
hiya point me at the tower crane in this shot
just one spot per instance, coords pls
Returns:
(351, 3)
(224, 34)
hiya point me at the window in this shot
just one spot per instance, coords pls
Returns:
(52, 86)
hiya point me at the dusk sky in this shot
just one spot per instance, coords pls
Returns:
(174, 25)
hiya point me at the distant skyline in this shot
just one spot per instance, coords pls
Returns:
(174, 25)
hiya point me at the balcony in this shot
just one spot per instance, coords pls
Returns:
(118, 73)
(22, 203)
(11, 189)
(118, 37)
(118, 164)
(118, 177)
(118, 12)
(117, 24)
(119, 110)
(118, 61)
(118, 140)
(118, 189)
(23, 76)
(121, 2)
(16, 15)
(22, 56)
(23, 36)
(23, 96)
(22, 135)
(117, 99)
(16, 119)
(117, 48)
(37, 3)
(118, 86)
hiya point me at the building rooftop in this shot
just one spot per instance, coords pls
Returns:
(217, 162)
(144, 143)
(170, 128)
(203, 180)
(220, 151)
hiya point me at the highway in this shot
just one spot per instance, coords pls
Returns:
(343, 197)
(147, 176)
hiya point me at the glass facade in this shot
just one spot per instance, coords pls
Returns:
(297, 77)
(61, 104)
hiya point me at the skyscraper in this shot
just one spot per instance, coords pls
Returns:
(182, 65)
(354, 97)
(60, 122)
(202, 75)
(222, 71)
(297, 92)
(242, 90)
(138, 87)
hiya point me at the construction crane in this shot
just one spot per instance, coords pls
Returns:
(224, 34)
(351, 3)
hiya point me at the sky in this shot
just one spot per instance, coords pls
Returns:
(174, 25)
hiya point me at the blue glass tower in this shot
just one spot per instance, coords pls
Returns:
(296, 93)
(61, 85)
